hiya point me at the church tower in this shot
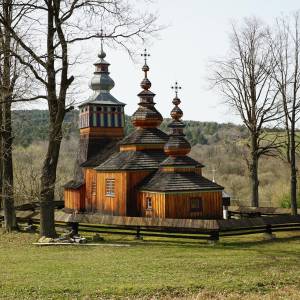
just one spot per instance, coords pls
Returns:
(101, 120)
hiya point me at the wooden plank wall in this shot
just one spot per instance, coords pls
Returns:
(178, 205)
(112, 205)
(158, 204)
(90, 199)
(133, 179)
(75, 199)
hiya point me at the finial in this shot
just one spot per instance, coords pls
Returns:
(102, 54)
(145, 55)
(145, 67)
(176, 87)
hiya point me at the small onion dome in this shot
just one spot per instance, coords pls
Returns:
(146, 84)
(177, 146)
(176, 113)
(145, 68)
(102, 54)
(101, 82)
(146, 116)
(176, 101)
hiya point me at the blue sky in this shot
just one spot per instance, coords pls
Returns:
(197, 32)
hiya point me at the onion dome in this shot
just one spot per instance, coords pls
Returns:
(101, 81)
(146, 116)
(101, 84)
(177, 145)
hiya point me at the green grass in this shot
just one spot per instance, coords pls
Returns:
(236, 268)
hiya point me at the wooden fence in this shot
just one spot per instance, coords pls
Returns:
(171, 228)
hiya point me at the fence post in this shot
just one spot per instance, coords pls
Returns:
(138, 233)
(214, 237)
(268, 235)
(74, 227)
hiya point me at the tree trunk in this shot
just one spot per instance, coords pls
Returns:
(253, 168)
(1, 157)
(6, 128)
(48, 178)
(7, 170)
(293, 170)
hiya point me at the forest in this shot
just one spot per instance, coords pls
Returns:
(218, 146)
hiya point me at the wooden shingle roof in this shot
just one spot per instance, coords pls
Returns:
(133, 160)
(145, 136)
(180, 161)
(99, 152)
(73, 184)
(177, 182)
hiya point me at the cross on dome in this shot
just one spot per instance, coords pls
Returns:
(176, 87)
(145, 55)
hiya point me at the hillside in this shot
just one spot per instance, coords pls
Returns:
(216, 145)
(32, 126)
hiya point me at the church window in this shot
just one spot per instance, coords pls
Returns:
(110, 187)
(148, 203)
(94, 188)
(196, 204)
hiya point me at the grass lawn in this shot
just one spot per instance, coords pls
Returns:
(236, 268)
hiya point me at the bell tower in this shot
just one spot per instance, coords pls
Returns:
(102, 115)
(101, 120)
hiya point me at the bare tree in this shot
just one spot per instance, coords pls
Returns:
(8, 79)
(53, 26)
(244, 78)
(285, 45)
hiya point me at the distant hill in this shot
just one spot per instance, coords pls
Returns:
(32, 125)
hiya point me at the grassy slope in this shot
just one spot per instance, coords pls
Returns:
(236, 268)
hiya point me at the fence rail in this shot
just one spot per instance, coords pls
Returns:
(168, 228)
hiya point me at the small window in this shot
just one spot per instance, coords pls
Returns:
(148, 203)
(94, 188)
(196, 204)
(104, 108)
(110, 187)
(99, 108)
(113, 109)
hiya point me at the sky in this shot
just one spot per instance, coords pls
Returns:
(196, 33)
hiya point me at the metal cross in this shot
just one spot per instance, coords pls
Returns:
(145, 54)
(176, 87)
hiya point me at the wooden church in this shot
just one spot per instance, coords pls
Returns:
(146, 173)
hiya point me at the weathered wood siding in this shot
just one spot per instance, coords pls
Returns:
(90, 195)
(74, 199)
(112, 205)
(179, 205)
(158, 204)
(133, 179)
